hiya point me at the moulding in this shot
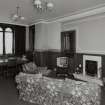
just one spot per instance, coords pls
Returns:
(38, 22)
(15, 24)
(46, 50)
(82, 14)
(76, 15)
(90, 52)
(93, 54)
(54, 50)
(89, 18)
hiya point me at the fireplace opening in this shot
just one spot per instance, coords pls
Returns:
(91, 67)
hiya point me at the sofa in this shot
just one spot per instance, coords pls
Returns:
(42, 90)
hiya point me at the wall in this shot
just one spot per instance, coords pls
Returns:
(47, 43)
(54, 40)
(90, 34)
(47, 36)
(90, 38)
(41, 36)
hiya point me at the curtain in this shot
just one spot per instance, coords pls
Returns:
(20, 36)
(31, 37)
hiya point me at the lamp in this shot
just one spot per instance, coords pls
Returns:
(17, 16)
(43, 5)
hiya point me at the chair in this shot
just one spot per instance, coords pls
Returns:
(11, 68)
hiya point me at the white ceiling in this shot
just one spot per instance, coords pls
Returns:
(61, 9)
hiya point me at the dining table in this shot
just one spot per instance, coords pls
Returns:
(11, 66)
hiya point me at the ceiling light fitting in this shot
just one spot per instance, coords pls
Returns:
(17, 16)
(43, 5)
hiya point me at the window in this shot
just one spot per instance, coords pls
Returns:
(1, 41)
(6, 41)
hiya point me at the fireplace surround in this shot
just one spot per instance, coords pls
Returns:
(94, 59)
(98, 74)
(91, 68)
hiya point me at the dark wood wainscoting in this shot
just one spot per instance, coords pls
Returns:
(48, 58)
(51, 58)
(40, 58)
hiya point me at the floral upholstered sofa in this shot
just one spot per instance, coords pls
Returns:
(43, 90)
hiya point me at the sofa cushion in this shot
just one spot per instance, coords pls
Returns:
(30, 67)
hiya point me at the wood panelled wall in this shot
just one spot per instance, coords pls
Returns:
(48, 58)
(44, 58)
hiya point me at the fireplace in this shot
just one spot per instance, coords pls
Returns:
(92, 66)
(92, 70)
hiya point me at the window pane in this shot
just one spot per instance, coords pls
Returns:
(1, 29)
(8, 42)
(1, 42)
(8, 29)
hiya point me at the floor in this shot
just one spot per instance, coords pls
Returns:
(9, 94)
(103, 96)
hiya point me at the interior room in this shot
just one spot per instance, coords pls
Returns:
(52, 52)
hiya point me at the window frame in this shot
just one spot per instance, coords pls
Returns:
(2, 37)
(13, 41)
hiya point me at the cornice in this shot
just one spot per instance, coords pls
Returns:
(82, 14)
(15, 24)
(76, 15)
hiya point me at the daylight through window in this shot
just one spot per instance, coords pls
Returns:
(1, 41)
(6, 41)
